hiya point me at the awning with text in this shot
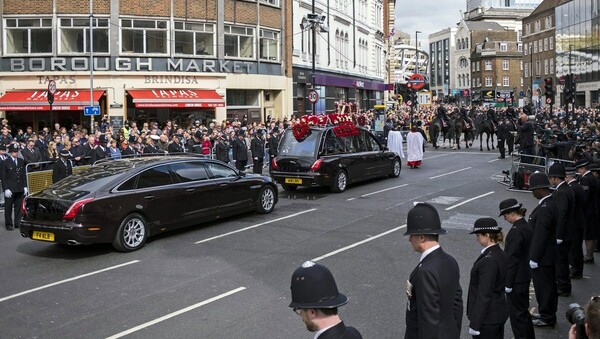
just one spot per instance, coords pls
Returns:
(64, 100)
(176, 98)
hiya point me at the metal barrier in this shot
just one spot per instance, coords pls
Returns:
(517, 178)
(38, 181)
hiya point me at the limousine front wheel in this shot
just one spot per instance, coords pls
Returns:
(266, 200)
(132, 234)
(395, 168)
(340, 182)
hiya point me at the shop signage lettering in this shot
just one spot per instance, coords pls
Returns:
(60, 79)
(170, 79)
(359, 84)
(82, 64)
(174, 94)
(59, 95)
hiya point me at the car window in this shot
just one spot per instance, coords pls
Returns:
(156, 176)
(291, 147)
(189, 171)
(350, 143)
(363, 141)
(128, 185)
(220, 171)
(373, 145)
(333, 145)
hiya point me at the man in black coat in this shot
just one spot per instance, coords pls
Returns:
(128, 149)
(257, 148)
(89, 150)
(240, 151)
(151, 147)
(101, 152)
(564, 197)
(14, 185)
(434, 308)
(273, 144)
(175, 144)
(77, 151)
(518, 273)
(576, 251)
(542, 256)
(315, 297)
(63, 167)
(502, 134)
(32, 155)
(222, 149)
(591, 230)
(526, 139)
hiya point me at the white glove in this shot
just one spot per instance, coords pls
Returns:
(25, 190)
(533, 264)
(559, 241)
(473, 332)
(507, 290)
(255, 158)
(7, 194)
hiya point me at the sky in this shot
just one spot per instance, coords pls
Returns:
(427, 16)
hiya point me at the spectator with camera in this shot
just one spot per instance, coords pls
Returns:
(585, 321)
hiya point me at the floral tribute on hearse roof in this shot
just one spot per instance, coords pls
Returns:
(344, 126)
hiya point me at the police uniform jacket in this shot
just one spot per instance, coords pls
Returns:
(13, 175)
(578, 212)
(486, 302)
(340, 331)
(435, 306)
(590, 185)
(257, 148)
(564, 197)
(240, 149)
(518, 242)
(61, 169)
(222, 151)
(502, 131)
(273, 144)
(543, 222)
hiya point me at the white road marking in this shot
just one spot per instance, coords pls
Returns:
(176, 313)
(435, 156)
(469, 200)
(358, 243)
(445, 174)
(254, 226)
(459, 152)
(380, 191)
(493, 160)
(67, 280)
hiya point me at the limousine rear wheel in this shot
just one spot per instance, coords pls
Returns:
(266, 200)
(340, 182)
(132, 234)
(396, 166)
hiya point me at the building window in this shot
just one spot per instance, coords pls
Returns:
(478, 67)
(527, 29)
(473, 66)
(545, 66)
(239, 42)
(545, 44)
(503, 47)
(505, 81)
(270, 2)
(505, 65)
(25, 36)
(520, 47)
(194, 38)
(478, 82)
(551, 43)
(535, 46)
(144, 36)
(488, 65)
(269, 45)
(551, 66)
(548, 22)
(75, 34)
(488, 81)
(521, 64)
(466, 42)
(538, 69)
(527, 70)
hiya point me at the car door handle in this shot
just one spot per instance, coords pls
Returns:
(190, 190)
(149, 197)
(223, 185)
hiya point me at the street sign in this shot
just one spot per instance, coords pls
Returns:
(91, 110)
(409, 103)
(549, 101)
(313, 96)
(417, 81)
(51, 86)
(521, 94)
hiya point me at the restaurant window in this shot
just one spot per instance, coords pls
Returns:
(269, 45)
(25, 36)
(144, 36)
(74, 35)
(239, 42)
(194, 38)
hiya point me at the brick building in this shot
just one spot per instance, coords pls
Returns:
(153, 60)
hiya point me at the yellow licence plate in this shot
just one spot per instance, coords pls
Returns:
(44, 236)
(296, 181)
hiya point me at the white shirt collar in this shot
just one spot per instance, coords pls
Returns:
(323, 330)
(426, 253)
(586, 173)
(483, 250)
(557, 186)
(544, 198)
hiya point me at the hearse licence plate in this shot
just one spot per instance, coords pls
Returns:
(296, 181)
(44, 236)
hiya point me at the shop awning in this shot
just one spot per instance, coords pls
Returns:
(176, 98)
(70, 100)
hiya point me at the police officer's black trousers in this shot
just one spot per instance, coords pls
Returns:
(241, 164)
(257, 166)
(10, 204)
(576, 252)
(563, 274)
(518, 308)
(544, 282)
(501, 148)
(491, 331)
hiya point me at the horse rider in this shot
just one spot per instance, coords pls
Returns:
(442, 113)
(465, 116)
(491, 116)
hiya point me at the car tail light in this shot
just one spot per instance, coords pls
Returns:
(72, 212)
(315, 167)
(24, 207)
(274, 164)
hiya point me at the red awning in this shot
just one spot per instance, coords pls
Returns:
(178, 98)
(69, 100)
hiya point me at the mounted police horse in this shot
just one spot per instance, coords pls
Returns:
(486, 127)
(462, 127)
(437, 129)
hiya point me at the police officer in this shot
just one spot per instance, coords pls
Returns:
(14, 185)
(591, 230)
(63, 167)
(518, 273)
(564, 197)
(3, 157)
(240, 150)
(222, 149)
(502, 137)
(542, 257)
(150, 147)
(526, 139)
(101, 152)
(434, 308)
(273, 144)
(257, 148)
(315, 297)
(576, 251)
(486, 302)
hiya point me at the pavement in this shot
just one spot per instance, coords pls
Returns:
(230, 279)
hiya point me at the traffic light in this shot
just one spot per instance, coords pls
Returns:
(410, 95)
(568, 91)
(549, 90)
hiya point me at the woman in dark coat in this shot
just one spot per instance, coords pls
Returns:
(486, 303)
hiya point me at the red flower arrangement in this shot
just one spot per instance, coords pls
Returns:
(345, 130)
(301, 131)
(344, 127)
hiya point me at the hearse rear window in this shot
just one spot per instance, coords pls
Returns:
(291, 147)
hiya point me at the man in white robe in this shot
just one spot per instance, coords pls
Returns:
(414, 148)
(394, 142)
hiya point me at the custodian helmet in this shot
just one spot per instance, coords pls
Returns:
(424, 219)
(313, 286)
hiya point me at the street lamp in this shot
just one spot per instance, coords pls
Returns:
(417, 70)
(314, 21)
(417, 51)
